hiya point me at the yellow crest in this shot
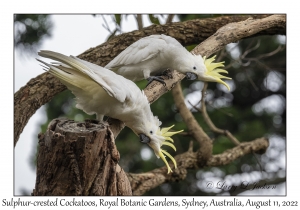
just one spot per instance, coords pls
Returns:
(214, 71)
(164, 132)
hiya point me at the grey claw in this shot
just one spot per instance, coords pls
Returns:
(157, 78)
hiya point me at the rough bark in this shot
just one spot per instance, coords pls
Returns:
(44, 87)
(79, 159)
(232, 32)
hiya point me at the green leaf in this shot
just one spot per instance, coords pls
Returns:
(118, 19)
(153, 19)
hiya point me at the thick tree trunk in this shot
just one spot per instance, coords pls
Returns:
(79, 158)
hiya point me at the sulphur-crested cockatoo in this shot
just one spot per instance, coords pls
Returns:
(152, 55)
(102, 92)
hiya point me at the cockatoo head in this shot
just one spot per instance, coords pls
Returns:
(156, 138)
(205, 70)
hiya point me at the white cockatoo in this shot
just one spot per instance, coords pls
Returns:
(151, 55)
(102, 92)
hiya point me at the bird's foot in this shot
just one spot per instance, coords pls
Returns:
(157, 78)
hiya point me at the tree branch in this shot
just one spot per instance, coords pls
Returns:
(141, 183)
(208, 121)
(170, 18)
(139, 21)
(233, 32)
(195, 130)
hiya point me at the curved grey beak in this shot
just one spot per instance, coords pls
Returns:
(144, 138)
(191, 76)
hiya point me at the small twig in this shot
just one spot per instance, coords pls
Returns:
(262, 56)
(219, 110)
(212, 126)
(279, 48)
(106, 26)
(209, 122)
(170, 18)
(258, 162)
(250, 50)
(139, 21)
(194, 106)
(232, 61)
(221, 55)
(243, 56)
(225, 54)
(195, 130)
(251, 81)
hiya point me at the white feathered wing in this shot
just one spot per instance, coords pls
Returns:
(97, 90)
(148, 56)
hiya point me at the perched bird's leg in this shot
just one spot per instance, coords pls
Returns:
(157, 78)
(151, 78)
(99, 117)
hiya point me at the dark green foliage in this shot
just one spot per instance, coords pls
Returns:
(118, 19)
(154, 19)
(31, 30)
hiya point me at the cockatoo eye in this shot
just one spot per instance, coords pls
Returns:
(151, 132)
(194, 68)
(144, 138)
